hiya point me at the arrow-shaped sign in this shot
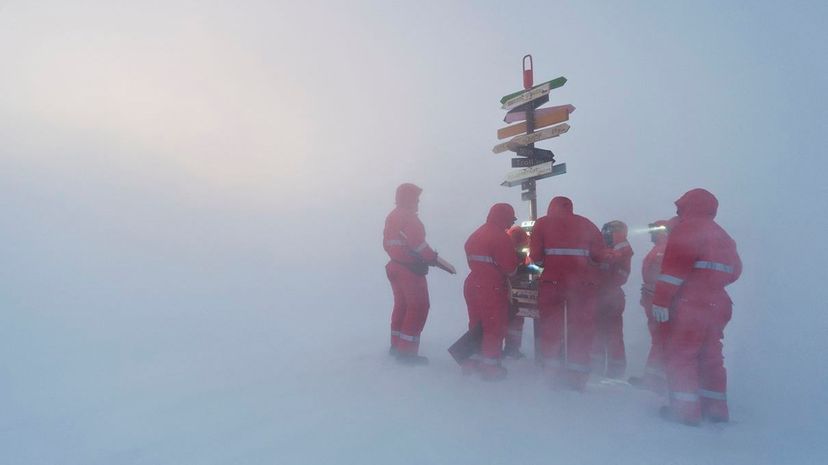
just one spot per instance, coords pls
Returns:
(526, 139)
(515, 115)
(527, 162)
(559, 115)
(544, 170)
(520, 97)
(535, 153)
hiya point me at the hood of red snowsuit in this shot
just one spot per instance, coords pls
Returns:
(408, 196)
(661, 236)
(560, 206)
(501, 215)
(697, 203)
(518, 236)
(619, 231)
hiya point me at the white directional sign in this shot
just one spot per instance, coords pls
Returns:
(526, 139)
(534, 93)
(544, 170)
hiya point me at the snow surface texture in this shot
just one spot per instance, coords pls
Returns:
(192, 205)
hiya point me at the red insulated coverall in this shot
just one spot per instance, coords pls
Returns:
(514, 333)
(608, 352)
(492, 259)
(699, 261)
(404, 241)
(564, 243)
(654, 374)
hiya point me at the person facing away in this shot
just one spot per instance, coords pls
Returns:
(564, 244)
(410, 256)
(608, 354)
(700, 260)
(491, 259)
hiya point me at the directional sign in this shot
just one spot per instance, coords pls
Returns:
(560, 115)
(522, 96)
(526, 139)
(556, 170)
(542, 171)
(527, 162)
(530, 105)
(516, 177)
(528, 96)
(537, 154)
(515, 115)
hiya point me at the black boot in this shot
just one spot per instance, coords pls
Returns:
(513, 352)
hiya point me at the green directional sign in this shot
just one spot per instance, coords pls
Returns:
(553, 84)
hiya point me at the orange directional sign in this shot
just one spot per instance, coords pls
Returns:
(525, 139)
(515, 116)
(559, 115)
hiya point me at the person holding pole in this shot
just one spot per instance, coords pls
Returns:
(410, 254)
(565, 245)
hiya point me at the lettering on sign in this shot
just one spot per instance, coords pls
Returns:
(526, 139)
(553, 84)
(526, 162)
(538, 154)
(542, 171)
(528, 96)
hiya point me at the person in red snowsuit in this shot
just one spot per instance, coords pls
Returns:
(491, 259)
(699, 261)
(655, 377)
(564, 243)
(514, 333)
(404, 241)
(608, 353)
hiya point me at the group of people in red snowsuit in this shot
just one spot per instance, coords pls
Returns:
(580, 296)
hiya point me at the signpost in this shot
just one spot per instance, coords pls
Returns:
(524, 110)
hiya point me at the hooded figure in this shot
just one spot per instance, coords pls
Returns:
(608, 354)
(655, 378)
(404, 241)
(699, 261)
(567, 246)
(491, 259)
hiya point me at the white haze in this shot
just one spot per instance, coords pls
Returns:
(193, 197)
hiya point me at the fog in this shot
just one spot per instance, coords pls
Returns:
(193, 197)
